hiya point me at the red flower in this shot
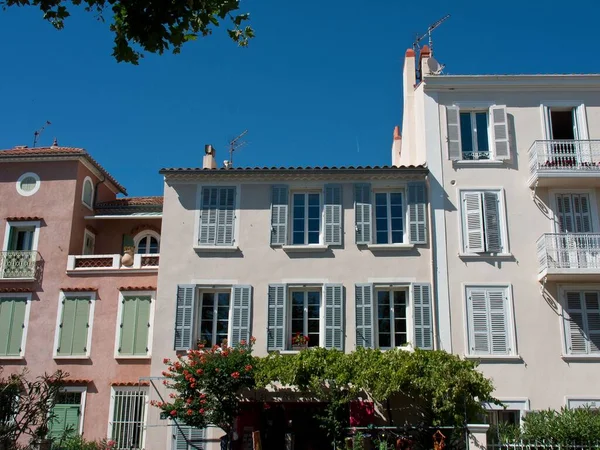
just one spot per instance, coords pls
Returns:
(201, 411)
(266, 406)
(193, 385)
(235, 375)
(172, 395)
(166, 361)
(188, 401)
(253, 339)
(248, 368)
(199, 372)
(202, 395)
(217, 369)
(243, 342)
(190, 412)
(173, 413)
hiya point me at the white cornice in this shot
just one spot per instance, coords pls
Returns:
(586, 82)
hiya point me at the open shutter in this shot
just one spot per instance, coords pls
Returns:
(276, 317)
(362, 212)
(279, 215)
(498, 304)
(189, 438)
(208, 216)
(12, 322)
(422, 316)
(491, 210)
(142, 325)
(499, 125)
(363, 298)
(473, 222)
(454, 140)
(479, 331)
(240, 315)
(184, 316)
(128, 322)
(574, 324)
(334, 316)
(80, 329)
(225, 216)
(66, 327)
(333, 214)
(417, 212)
(592, 312)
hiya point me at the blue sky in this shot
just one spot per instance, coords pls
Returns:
(319, 85)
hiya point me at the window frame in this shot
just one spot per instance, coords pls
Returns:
(592, 401)
(10, 224)
(473, 111)
(288, 320)
(306, 192)
(563, 289)
(409, 315)
(62, 296)
(144, 234)
(580, 112)
(83, 391)
(236, 218)
(91, 205)
(111, 410)
(554, 193)
(122, 295)
(405, 219)
(87, 233)
(34, 190)
(27, 297)
(198, 313)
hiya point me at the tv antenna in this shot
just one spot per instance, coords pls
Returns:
(235, 144)
(433, 26)
(38, 133)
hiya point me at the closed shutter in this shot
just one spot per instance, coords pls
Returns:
(581, 208)
(208, 216)
(454, 140)
(499, 125)
(592, 312)
(334, 316)
(362, 213)
(473, 222)
(417, 212)
(493, 237)
(583, 323)
(488, 321)
(498, 304)
(184, 316)
(129, 322)
(142, 325)
(241, 312)
(479, 331)
(422, 316)
(65, 417)
(189, 438)
(333, 214)
(12, 323)
(279, 215)
(74, 326)
(276, 317)
(225, 216)
(363, 298)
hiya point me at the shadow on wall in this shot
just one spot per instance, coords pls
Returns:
(513, 163)
(434, 186)
(495, 261)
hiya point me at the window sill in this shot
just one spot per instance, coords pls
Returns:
(305, 248)
(216, 248)
(580, 358)
(75, 357)
(390, 247)
(125, 357)
(12, 358)
(478, 162)
(493, 358)
(289, 352)
(485, 255)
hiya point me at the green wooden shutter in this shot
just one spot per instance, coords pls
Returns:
(454, 140)
(128, 321)
(73, 327)
(333, 215)
(472, 222)
(184, 316)
(363, 298)
(279, 215)
(417, 212)
(362, 213)
(142, 325)
(12, 323)
(422, 316)
(276, 317)
(499, 125)
(225, 216)
(493, 236)
(241, 313)
(66, 417)
(189, 438)
(334, 316)
(208, 216)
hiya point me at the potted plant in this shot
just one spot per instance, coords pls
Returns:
(299, 342)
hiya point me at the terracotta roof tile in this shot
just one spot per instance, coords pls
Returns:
(23, 218)
(131, 201)
(137, 288)
(43, 152)
(129, 383)
(15, 289)
(287, 169)
(76, 381)
(79, 289)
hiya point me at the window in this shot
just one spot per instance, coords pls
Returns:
(483, 225)
(305, 317)
(471, 131)
(217, 215)
(392, 330)
(573, 213)
(489, 324)
(89, 242)
(306, 218)
(28, 184)
(68, 412)
(389, 218)
(147, 242)
(19, 259)
(188, 438)
(583, 402)
(74, 325)
(214, 317)
(87, 195)
(128, 417)
(14, 314)
(134, 327)
(582, 322)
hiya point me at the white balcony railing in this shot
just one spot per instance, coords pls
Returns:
(100, 263)
(572, 251)
(564, 155)
(18, 264)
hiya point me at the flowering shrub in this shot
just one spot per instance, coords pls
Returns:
(208, 384)
(298, 339)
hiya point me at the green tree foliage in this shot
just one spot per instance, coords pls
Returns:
(152, 26)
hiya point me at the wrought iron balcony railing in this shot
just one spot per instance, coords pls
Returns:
(572, 251)
(18, 264)
(564, 155)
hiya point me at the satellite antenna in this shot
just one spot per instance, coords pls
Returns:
(435, 67)
(433, 26)
(38, 133)
(235, 144)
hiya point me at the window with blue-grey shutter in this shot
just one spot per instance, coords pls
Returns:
(582, 322)
(499, 126)
(241, 313)
(279, 215)
(333, 215)
(334, 316)
(453, 130)
(422, 316)
(276, 317)
(184, 316)
(363, 298)
(189, 438)
(482, 222)
(362, 213)
(417, 212)
(217, 216)
(488, 321)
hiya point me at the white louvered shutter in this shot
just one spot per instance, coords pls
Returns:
(581, 209)
(454, 140)
(499, 124)
(422, 316)
(226, 216)
(184, 316)
(279, 215)
(363, 298)
(208, 216)
(592, 312)
(333, 214)
(577, 342)
(565, 213)
(479, 329)
(493, 233)
(276, 317)
(189, 438)
(334, 316)
(417, 212)
(241, 313)
(473, 222)
(362, 213)
(498, 304)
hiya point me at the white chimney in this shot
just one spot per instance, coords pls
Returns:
(209, 161)
(424, 56)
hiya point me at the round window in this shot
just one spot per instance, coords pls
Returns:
(28, 184)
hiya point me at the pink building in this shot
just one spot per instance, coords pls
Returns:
(78, 272)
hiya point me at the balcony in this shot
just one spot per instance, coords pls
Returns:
(19, 265)
(569, 256)
(564, 163)
(102, 264)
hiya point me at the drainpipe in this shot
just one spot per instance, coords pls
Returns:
(96, 190)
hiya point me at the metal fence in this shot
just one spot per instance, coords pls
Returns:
(526, 445)
(560, 155)
(569, 251)
(18, 264)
